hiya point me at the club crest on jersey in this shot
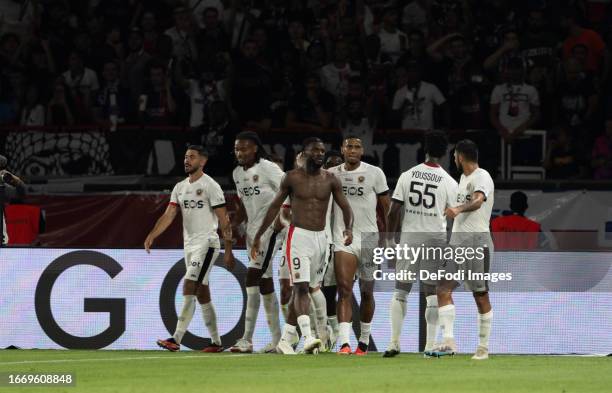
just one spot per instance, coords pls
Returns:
(255, 178)
(360, 179)
(199, 191)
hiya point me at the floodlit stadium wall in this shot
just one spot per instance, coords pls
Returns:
(126, 299)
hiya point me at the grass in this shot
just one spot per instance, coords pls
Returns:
(158, 371)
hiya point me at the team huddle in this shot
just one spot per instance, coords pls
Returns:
(318, 215)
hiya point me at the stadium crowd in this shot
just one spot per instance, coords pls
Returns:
(216, 67)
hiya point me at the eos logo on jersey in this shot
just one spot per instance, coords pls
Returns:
(191, 204)
(352, 190)
(463, 198)
(249, 191)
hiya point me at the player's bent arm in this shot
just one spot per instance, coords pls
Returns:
(161, 225)
(478, 198)
(343, 204)
(274, 207)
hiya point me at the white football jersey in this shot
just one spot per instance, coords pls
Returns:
(197, 201)
(361, 187)
(477, 220)
(257, 187)
(425, 190)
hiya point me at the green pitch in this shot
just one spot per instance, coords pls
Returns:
(159, 371)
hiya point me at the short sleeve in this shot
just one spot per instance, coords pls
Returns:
(452, 189)
(274, 175)
(216, 198)
(436, 95)
(380, 184)
(483, 183)
(496, 96)
(174, 196)
(398, 193)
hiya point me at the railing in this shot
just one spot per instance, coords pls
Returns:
(510, 171)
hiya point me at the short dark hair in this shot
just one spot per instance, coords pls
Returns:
(200, 149)
(309, 141)
(351, 136)
(207, 9)
(518, 202)
(467, 149)
(435, 143)
(253, 137)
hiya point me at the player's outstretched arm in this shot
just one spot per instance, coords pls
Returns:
(271, 214)
(226, 231)
(478, 198)
(347, 212)
(160, 226)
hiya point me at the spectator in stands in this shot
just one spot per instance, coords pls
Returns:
(8, 102)
(312, 108)
(83, 83)
(514, 105)
(200, 7)
(521, 233)
(335, 75)
(415, 16)
(60, 109)
(218, 137)
(40, 67)
(157, 105)
(414, 102)
(601, 161)
(182, 35)
(393, 42)
(598, 56)
(212, 38)
(33, 111)
(112, 102)
(10, 45)
(134, 67)
(577, 99)
(497, 62)
(563, 158)
(251, 83)
(150, 35)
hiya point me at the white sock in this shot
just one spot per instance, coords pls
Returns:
(431, 317)
(320, 305)
(252, 309)
(285, 311)
(484, 328)
(333, 322)
(312, 313)
(210, 320)
(304, 323)
(271, 307)
(398, 311)
(184, 318)
(290, 334)
(446, 318)
(364, 337)
(344, 331)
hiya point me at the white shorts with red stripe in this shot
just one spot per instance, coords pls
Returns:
(306, 257)
(270, 243)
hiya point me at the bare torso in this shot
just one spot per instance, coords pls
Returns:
(309, 195)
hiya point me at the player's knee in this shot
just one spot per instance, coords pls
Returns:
(344, 291)
(301, 289)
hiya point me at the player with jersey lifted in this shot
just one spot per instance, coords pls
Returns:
(257, 181)
(423, 193)
(202, 206)
(309, 189)
(471, 214)
(364, 186)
